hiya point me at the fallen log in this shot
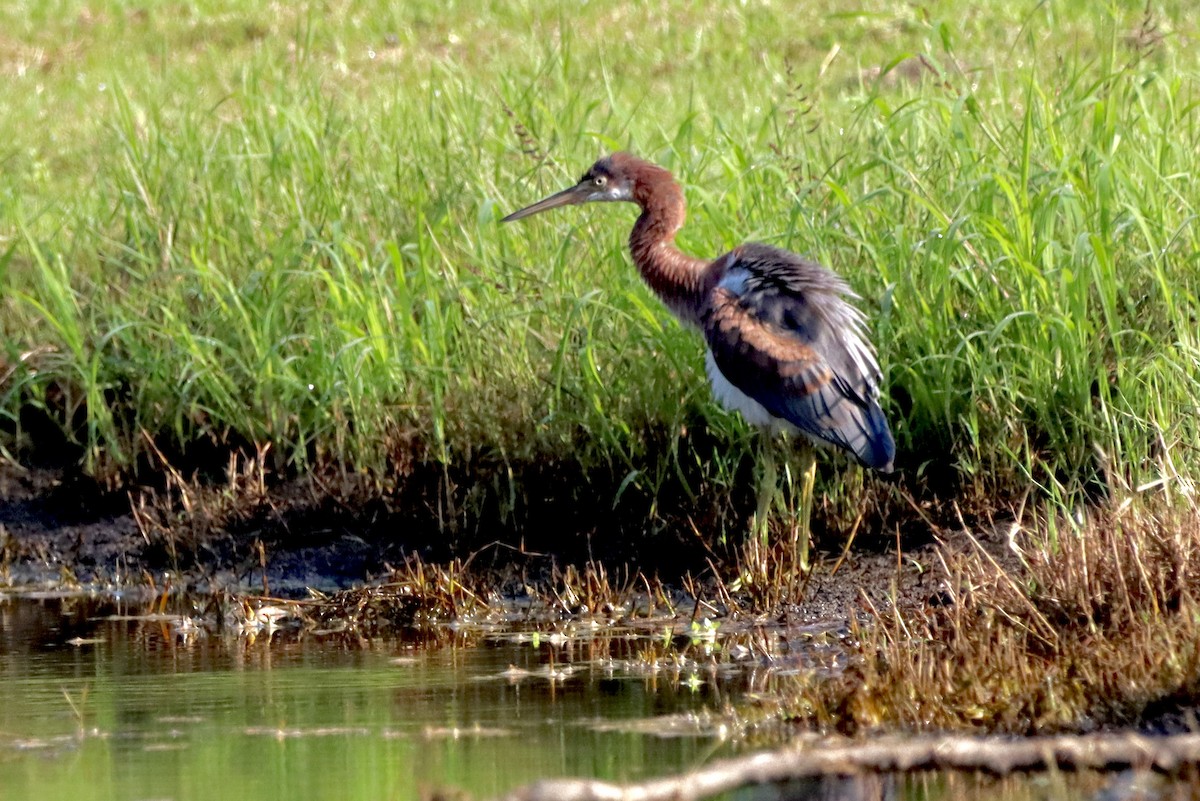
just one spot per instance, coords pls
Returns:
(810, 758)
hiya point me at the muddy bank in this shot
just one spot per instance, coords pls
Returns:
(65, 531)
(1027, 629)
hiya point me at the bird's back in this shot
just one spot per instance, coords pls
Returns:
(781, 330)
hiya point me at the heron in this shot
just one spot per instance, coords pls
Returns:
(786, 346)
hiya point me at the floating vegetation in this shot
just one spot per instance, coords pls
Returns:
(280, 733)
(413, 595)
(678, 725)
(458, 733)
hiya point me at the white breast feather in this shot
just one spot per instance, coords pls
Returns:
(735, 400)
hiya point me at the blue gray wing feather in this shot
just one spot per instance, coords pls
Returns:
(782, 330)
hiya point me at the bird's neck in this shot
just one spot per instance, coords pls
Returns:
(676, 277)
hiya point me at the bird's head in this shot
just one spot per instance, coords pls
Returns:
(611, 178)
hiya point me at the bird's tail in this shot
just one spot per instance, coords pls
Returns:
(875, 448)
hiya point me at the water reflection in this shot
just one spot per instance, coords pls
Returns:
(97, 701)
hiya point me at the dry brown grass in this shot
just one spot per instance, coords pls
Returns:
(415, 595)
(1075, 627)
(184, 511)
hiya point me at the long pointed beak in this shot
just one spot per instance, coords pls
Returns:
(567, 197)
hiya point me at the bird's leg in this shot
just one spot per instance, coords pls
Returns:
(808, 475)
(767, 490)
(798, 501)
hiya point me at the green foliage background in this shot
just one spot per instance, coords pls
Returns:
(276, 223)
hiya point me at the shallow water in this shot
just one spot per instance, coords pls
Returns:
(94, 705)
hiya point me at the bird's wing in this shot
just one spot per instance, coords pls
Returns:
(780, 330)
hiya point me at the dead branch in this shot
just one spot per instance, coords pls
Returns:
(811, 758)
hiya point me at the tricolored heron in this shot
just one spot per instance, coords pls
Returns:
(786, 347)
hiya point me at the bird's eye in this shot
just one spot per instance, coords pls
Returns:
(599, 180)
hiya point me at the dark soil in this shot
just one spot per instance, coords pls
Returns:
(59, 531)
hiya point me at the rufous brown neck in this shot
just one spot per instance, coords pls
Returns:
(677, 278)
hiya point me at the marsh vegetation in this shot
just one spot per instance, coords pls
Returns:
(251, 283)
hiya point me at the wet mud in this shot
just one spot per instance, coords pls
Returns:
(59, 532)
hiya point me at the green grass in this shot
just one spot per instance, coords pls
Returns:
(278, 225)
